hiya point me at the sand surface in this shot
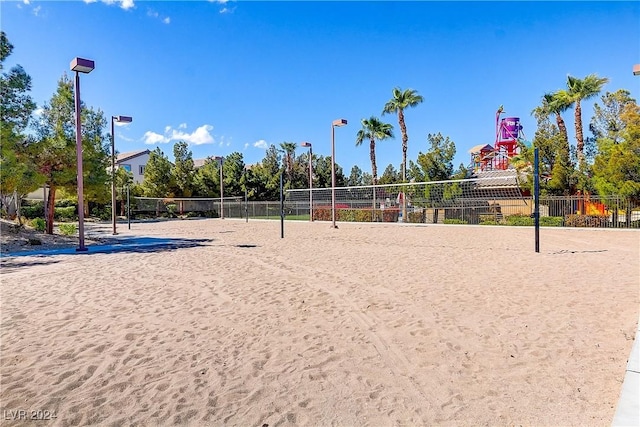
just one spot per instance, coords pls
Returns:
(366, 325)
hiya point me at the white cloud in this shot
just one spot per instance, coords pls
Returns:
(36, 10)
(26, 2)
(246, 145)
(260, 144)
(124, 138)
(126, 4)
(154, 138)
(38, 112)
(200, 136)
(166, 20)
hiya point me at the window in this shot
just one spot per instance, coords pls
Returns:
(126, 167)
(141, 168)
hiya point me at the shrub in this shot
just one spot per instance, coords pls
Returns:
(38, 224)
(416, 217)
(586, 220)
(487, 219)
(66, 203)
(454, 221)
(33, 210)
(521, 220)
(102, 212)
(67, 229)
(551, 221)
(67, 213)
(172, 208)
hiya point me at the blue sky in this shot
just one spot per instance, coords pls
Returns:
(231, 76)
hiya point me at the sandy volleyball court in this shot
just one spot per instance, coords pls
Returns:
(367, 325)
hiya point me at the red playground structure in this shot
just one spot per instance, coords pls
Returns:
(496, 157)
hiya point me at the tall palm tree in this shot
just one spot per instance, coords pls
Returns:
(400, 100)
(372, 129)
(289, 149)
(556, 103)
(578, 90)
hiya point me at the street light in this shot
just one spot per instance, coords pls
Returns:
(80, 65)
(336, 123)
(636, 70)
(308, 144)
(220, 159)
(119, 119)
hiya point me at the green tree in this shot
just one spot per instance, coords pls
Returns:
(617, 166)
(401, 100)
(390, 176)
(158, 180)
(373, 129)
(355, 177)
(18, 173)
(607, 118)
(233, 170)
(579, 90)
(206, 180)
(124, 179)
(54, 148)
(553, 144)
(183, 170)
(96, 157)
(437, 163)
(289, 150)
(267, 175)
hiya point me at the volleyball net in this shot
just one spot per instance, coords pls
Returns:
(470, 201)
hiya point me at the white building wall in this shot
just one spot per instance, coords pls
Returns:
(137, 165)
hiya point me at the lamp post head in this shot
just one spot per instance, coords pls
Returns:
(82, 65)
(339, 122)
(636, 70)
(123, 119)
(305, 144)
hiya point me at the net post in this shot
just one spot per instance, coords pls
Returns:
(536, 198)
(281, 207)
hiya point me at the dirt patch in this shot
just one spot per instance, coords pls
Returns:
(14, 238)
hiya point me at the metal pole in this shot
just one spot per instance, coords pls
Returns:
(311, 184)
(113, 179)
(281, 207)
(246, 203)
(221, 192)
(536, 196)
(333, 178)
(81, 247)
(128, 208)
(404, 198)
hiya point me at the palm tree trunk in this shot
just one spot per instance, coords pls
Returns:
(579, 135)
(405, 140)
(565, 138)
(374, 169)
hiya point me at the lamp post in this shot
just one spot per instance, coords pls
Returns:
(80, 65)
(308, 144)
(334, 124)
(246, 201)
(636, 70)
(220, 159)
(119, 119)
